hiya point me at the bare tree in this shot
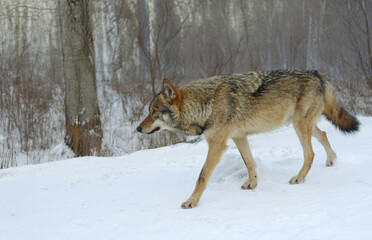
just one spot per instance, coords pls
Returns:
(348, 42)
(158, 41)
(83, 125)
(356, 23)
(367, 62)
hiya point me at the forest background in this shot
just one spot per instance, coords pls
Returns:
(136, 43)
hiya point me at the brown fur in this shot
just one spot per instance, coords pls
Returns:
(234, 106)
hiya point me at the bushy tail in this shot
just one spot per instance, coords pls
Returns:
(337, 114)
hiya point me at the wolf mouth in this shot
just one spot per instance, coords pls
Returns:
(154, 130)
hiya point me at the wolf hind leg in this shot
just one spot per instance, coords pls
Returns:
(245, 152)
(217, 146)
(304, 133)
(308, 110)
(322, 138)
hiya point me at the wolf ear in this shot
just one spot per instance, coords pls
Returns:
(169, 90)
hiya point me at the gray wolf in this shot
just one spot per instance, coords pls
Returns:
(237, 105)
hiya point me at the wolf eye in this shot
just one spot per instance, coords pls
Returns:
(153, 111)
(165, 111)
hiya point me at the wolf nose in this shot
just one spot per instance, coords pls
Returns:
(139, 129)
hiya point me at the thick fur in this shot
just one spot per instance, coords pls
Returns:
(234, 106)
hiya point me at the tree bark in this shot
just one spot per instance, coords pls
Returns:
(83, 124)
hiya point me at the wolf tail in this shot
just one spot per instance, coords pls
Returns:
(336, 114)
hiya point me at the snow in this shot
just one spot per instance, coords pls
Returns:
(138, 196)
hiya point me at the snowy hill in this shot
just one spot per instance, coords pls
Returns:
(138, 196)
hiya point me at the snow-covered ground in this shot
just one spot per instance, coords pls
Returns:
(138, 196)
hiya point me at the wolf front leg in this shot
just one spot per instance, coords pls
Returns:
(245, 152)
(217, 146)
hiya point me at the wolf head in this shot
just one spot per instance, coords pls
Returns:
(164, 110)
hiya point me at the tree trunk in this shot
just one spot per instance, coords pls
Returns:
(83, 125)
(143, 36)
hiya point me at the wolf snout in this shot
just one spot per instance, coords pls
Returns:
(139, 129)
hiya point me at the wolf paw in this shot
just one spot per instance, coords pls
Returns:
(190, 203)
(296, 180)
(250, 184)
(331, 161)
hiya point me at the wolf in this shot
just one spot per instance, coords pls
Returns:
(235, 106)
